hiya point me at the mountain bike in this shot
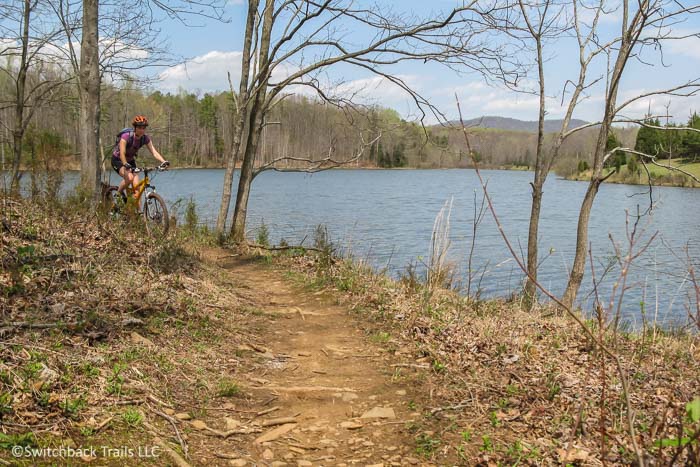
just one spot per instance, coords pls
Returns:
(153, 208)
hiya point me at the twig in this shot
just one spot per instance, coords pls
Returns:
(183, 445)
(453, 407)
(226, 434)
(278, 421)
(26, 324)
(103, 424)
(179, 461)
(226, 456)
(267, 411)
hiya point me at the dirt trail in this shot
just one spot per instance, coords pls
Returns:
(314, 363)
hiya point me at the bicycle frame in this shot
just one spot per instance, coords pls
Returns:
(140, 187)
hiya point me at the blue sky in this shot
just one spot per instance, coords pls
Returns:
(213, 48)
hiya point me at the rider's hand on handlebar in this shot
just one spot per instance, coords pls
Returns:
(128, 166)
(164, 165)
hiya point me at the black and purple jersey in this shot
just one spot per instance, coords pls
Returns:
(133, 148)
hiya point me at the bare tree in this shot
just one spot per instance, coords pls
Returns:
(644, 23)
(26, 40)
(310, 37)
(114, 45)
(242, 103)
(537, 24)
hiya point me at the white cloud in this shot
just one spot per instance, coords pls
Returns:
(207, 72)
(377, 88)
(688, 47)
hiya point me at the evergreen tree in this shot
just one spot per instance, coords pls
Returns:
(649, 140)
(619, 158)
(690, 147)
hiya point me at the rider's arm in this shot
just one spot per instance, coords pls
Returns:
(155, 153)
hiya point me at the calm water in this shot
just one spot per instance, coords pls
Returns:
(386, 217)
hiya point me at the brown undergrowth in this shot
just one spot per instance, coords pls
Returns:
(107, 336)
(103, 331)
(511, 387)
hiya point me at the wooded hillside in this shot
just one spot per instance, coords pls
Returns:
(196, 130)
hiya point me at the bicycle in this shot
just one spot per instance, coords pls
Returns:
(154, 211)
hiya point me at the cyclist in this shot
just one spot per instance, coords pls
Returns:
(124, 154)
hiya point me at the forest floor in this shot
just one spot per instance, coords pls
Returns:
(181, 352)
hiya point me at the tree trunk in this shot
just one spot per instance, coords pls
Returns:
(530, 295)
(576, 275)
(90, 101)
(629, 37)
(540, 177)
(243, 107)
(254, 123)
(18, 132)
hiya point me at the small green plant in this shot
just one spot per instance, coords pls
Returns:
(191, 218)
(87, 431)
(426, 444)
(515, 451)
(89, 370)
(322, 242)
(116, 380)
(486, 444)
(466, 435)
(263, 236)
(381, 337)
(22, 439)
(493, 418)
(5, 403)
(228, 388)
(691, 431)
(132, 417)
(438, 367)
(72, 407)
(43, 398)
(553, 387)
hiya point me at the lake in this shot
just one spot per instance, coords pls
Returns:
(386, 217)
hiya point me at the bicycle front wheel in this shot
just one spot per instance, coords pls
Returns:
(156, 215)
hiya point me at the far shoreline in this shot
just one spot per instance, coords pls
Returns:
(572, 178)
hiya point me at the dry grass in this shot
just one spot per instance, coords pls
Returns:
(102, 327)
(516, 387)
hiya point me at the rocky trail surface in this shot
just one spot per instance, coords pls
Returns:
(317, 389)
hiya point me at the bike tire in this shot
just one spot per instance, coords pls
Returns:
(155, 213)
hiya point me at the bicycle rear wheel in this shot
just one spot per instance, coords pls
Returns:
(155, 214)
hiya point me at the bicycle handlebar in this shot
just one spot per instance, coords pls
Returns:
(148, 169)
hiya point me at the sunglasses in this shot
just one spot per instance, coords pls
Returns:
(140, 126)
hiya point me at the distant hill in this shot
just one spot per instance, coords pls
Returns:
(513, 124)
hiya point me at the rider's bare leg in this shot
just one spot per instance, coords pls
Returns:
(128, 178)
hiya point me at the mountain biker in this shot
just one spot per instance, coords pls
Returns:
(124, 154)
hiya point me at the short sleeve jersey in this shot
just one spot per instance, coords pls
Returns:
(131, 151)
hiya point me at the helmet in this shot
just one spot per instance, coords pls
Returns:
(139, 120)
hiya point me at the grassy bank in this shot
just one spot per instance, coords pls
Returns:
(660, 176)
